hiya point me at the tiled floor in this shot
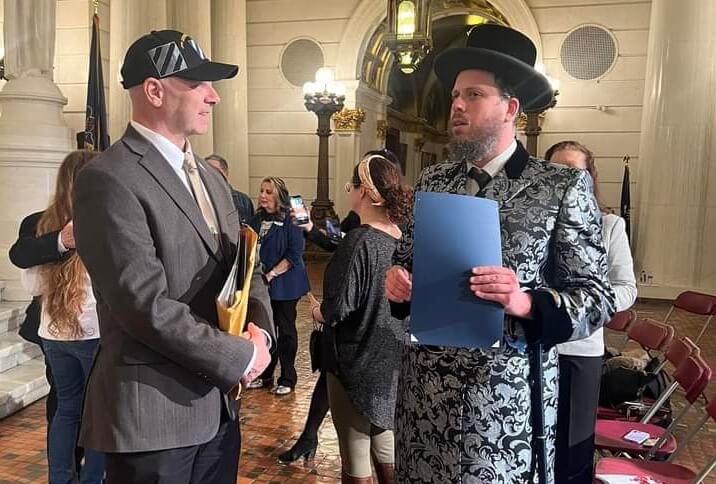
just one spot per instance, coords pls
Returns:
(269, 424)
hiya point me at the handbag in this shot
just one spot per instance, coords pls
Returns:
(314, 346)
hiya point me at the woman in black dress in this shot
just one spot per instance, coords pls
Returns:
(362, 380)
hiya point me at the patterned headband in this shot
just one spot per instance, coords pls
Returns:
(367, 181)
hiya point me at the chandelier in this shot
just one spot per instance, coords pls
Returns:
(409, 32)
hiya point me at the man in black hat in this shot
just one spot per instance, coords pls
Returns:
(466, 415)
(157, 231)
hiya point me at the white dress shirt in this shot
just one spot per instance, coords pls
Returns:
(492, 167)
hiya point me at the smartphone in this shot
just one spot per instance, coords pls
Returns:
(299, 208)
(333, 230)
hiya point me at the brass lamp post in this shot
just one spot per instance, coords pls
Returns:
(324, 97)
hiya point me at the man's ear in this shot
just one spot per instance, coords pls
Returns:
(513, 110)
(154, 91)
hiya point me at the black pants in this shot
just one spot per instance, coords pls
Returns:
(215, 462)
(579, 378)
(284, 317)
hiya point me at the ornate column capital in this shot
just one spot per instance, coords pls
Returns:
(348, 119)
(381, 130)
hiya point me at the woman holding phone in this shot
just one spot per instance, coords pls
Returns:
(280, 248)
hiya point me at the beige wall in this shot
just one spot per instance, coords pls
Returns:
(615, 132)
(282, 139)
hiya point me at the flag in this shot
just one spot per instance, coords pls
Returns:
(96, 137)
(625, 206)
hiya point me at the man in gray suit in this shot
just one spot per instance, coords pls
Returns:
(157, 231)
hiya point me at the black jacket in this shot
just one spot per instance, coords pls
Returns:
(29, 251)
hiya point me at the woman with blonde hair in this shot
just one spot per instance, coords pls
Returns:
(69, 332)
(281, 247)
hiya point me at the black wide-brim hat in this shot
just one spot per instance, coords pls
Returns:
(505, 52)
(166, 53)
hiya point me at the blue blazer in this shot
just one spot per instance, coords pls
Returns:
(284, 241)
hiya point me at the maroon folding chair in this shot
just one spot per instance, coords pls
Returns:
(666, 472)
(620, 322)
(677, 352)
(695, 303)
(693, 375)
(651, 335)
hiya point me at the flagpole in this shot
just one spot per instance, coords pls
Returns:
(625, 201)
(96, 6)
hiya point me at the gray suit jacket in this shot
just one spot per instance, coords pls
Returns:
(163, 367)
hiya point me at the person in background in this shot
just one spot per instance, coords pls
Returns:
(580, 362)
(242, 202)
(280, 249)
(307, 443)
(28, 251)
(363, 373)
(69, 330)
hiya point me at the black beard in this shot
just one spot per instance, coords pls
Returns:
(470, 150)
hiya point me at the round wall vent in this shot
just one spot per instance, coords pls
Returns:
(300, 61)
(588, 52)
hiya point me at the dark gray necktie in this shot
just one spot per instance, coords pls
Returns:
(480, 176)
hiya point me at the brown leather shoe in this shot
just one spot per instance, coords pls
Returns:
(386, 473)
(346, 479)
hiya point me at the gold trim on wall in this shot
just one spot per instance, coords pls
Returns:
(381, 130)
(348, 119)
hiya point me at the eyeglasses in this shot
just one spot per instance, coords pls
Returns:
(350, 186)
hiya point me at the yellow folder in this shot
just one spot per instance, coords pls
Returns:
(233, 300)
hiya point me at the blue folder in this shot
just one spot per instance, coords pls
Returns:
(453, 234)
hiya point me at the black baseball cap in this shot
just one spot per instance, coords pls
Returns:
(166, 53)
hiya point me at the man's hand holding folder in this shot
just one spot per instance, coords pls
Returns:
(233, 301)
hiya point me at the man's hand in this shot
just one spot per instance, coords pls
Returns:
(262, 355)
(500, 284)
(398, 284)
(67, 236)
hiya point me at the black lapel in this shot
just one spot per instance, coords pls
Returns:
(166, 177)
(517, 162)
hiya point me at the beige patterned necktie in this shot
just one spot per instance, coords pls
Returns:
(197, 187)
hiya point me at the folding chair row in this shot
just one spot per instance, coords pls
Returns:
(646, 408)
(666, 472)
(693, 375)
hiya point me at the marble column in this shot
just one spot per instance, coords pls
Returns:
(34, 137)
(676, 223)
(193, 17)
(129, 20)
(231, 115)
